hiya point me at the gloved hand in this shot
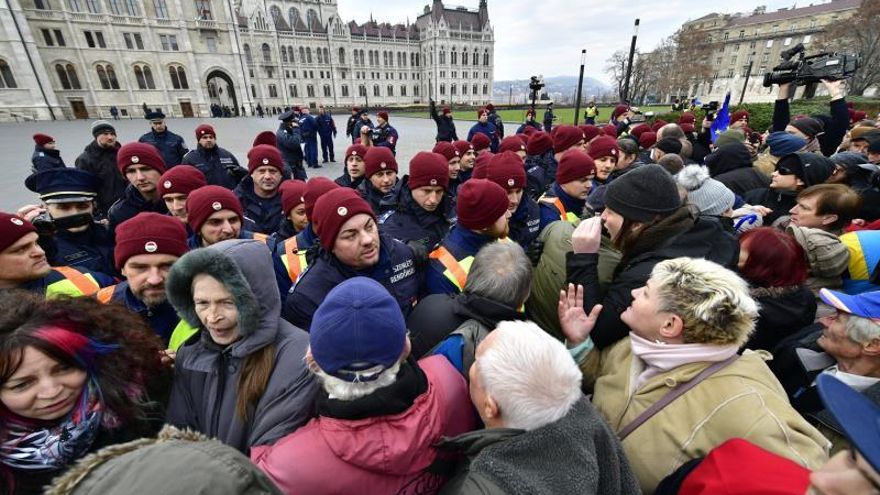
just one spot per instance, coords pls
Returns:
(535, 251)
(420, 251)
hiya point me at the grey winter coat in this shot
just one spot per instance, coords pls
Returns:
(206, 375)
(575, 454)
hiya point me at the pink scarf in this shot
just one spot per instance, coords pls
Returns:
(660, 357)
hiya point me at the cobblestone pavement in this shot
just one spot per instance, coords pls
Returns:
(234, 134)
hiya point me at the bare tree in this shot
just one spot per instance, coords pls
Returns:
(860, 34)
(615, 66)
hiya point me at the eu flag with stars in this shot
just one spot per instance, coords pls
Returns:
(722, 119)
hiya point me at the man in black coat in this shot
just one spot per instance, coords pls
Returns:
(219, 166)
(794, 173)
(351, 127)
(45, 155)
(99, 158)
(731, 165)
(827, 137)
(445, 124)
(170, 145)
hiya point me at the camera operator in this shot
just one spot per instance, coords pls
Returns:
(220, 167)
(64, 221)
(835, 126)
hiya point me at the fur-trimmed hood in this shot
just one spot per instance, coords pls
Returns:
(245, 267)
(177, 461)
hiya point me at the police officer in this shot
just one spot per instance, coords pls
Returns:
(214, 214)
(174, 188)
(506, 170)
(289, 142)
(141, 165)
(146, 247)
(258, 192)
(170, 145)
(420, 218)
(549, 118)
(380, 186)
(482, 209)
(309, 127)
(23, 264)
(445, 124)
(66, 220)
(219, 166)
(351, 245)
(45, 155)
(485, 127)
(567, 196)
(591, 113)
(291, 256)
(383, 134)
(354, 171)
(326, 131)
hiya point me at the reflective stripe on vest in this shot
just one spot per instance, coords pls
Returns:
(293, 260)
(105, 295)
(564, 215)
(75, 284)
(182, 332)
(456, 271)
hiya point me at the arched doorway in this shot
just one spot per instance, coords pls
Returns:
(221, 91)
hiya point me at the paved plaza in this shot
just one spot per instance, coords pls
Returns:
(234, 134)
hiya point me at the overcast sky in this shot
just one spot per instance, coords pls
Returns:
(547, 36)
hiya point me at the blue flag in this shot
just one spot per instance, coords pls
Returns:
(722, 119)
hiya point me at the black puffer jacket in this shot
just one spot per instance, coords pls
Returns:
(784, 311)
(102, 162)
(731, 165)
(44, 159)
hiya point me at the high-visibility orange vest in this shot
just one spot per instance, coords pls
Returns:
(74, 281)
(456, 271)
(294, 259)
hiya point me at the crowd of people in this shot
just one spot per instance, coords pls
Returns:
(622, 307)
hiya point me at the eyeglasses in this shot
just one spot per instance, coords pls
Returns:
(853, 458)
(784, 171)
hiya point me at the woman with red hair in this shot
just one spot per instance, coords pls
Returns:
(775, 265)
(75, 376)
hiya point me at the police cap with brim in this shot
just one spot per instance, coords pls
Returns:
(64, 185)
(857, 415)
(288, 115)
(155, 115)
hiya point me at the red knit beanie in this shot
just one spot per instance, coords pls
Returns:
(383, 114)
(687, 127)
(739, 115)
(463, 147)
(207, 200)
(687, 118)
(590, 131)
(356, 150)
(640, 129)
(574, 165)
(139, 154)
(480, 141)
(13, 228)
(480, 165)
(647, 139)
(512, 143)
(610, 130)
(524, 137)
(658, 124)
(263, 155)
(315, 188)
(539, 143)
(203, 130)
(506, 169)
(334, 209)
(379, 158)
(480, 203)
(619, 110)
(43, 139)
(265, 137)
(149, 233)
(428, 169)
(292, 192)
(604, 146)
(446, 149)
(565, 137)
(182, 179)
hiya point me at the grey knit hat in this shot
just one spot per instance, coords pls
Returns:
(100, 126)
(644, 193)
(707, 194)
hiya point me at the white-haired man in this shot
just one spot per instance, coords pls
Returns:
(542, 436)
(676, 388)
(381, 414)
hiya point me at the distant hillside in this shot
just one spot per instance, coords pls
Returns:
(559, 88)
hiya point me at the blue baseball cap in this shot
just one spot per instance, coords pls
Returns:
(865, 305)
(64, 185)
(856, 414)
(358, 331)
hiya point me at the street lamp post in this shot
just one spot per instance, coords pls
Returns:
(577, 104)
(748, 75)
(629, 65)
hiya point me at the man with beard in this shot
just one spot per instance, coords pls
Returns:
(146, 247)
(258, 192)
(482, 209)
(142, 165)
(219, 166)
(170, 145)
(380, 187)
(214, 214)
(99, 158)
(23, 264)
(351, 246)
